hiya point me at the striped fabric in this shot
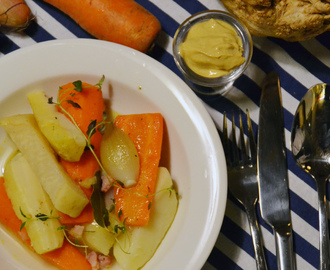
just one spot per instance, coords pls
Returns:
(300, 66)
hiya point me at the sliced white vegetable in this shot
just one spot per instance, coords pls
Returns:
(65, 138)
(29, 200)
(65, 194)
(7, 150)
(98, 238)
(136, 249)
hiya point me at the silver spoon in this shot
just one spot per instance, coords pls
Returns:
(310, 142)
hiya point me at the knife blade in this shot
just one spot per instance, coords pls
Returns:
(272, 170)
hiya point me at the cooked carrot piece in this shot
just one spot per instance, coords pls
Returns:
(83, 169)
(66, 258)
(120, 21)
(91, 107)
(146, 132)
(84, 107)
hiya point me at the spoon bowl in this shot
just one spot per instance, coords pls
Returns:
(310, 143)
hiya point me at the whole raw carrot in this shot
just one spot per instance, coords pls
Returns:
(120, 21)
(146, 132)
(84, 106)
(66, 258)
(14, 14)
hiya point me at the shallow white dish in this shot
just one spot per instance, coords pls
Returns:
(135, 83)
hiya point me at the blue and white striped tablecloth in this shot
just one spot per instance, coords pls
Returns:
(300, 66)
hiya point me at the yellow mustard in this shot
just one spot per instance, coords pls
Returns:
(212, 48)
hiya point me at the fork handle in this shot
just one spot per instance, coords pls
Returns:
(256, 238)
(284, 248)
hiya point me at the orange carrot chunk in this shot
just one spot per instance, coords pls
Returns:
(66, 258)
(83, 169)
(146, 132)
(91, 107)
(120, 21)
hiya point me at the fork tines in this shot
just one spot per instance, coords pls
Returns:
(239, 156)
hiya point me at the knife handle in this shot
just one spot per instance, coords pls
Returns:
(284, 248)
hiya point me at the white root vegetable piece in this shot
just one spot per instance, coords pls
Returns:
(64, 193)
(119, 156)
(143, 241)
(66, 139)
(98, 238)
(29, 199)
(7, 150)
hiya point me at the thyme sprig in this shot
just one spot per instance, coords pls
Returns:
(78, 239)
(117, 227)
(39, 216)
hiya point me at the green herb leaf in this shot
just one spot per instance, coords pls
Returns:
(123, 229)
(120, 183)
(91, 128)
(101, 128)
(42, 217)
(120, 213)
(88, 148)
(22, 226)
(112, 207)
(116, 228)
(78, 86)
(101, 214)
(74, 104)
(61, 228)
(20, 209)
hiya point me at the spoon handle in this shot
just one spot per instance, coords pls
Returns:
(323, 224)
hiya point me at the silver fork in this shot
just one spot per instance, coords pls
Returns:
(242, 179)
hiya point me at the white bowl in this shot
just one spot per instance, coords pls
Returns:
(135, 83)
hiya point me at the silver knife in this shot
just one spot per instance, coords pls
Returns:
(272, 171)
